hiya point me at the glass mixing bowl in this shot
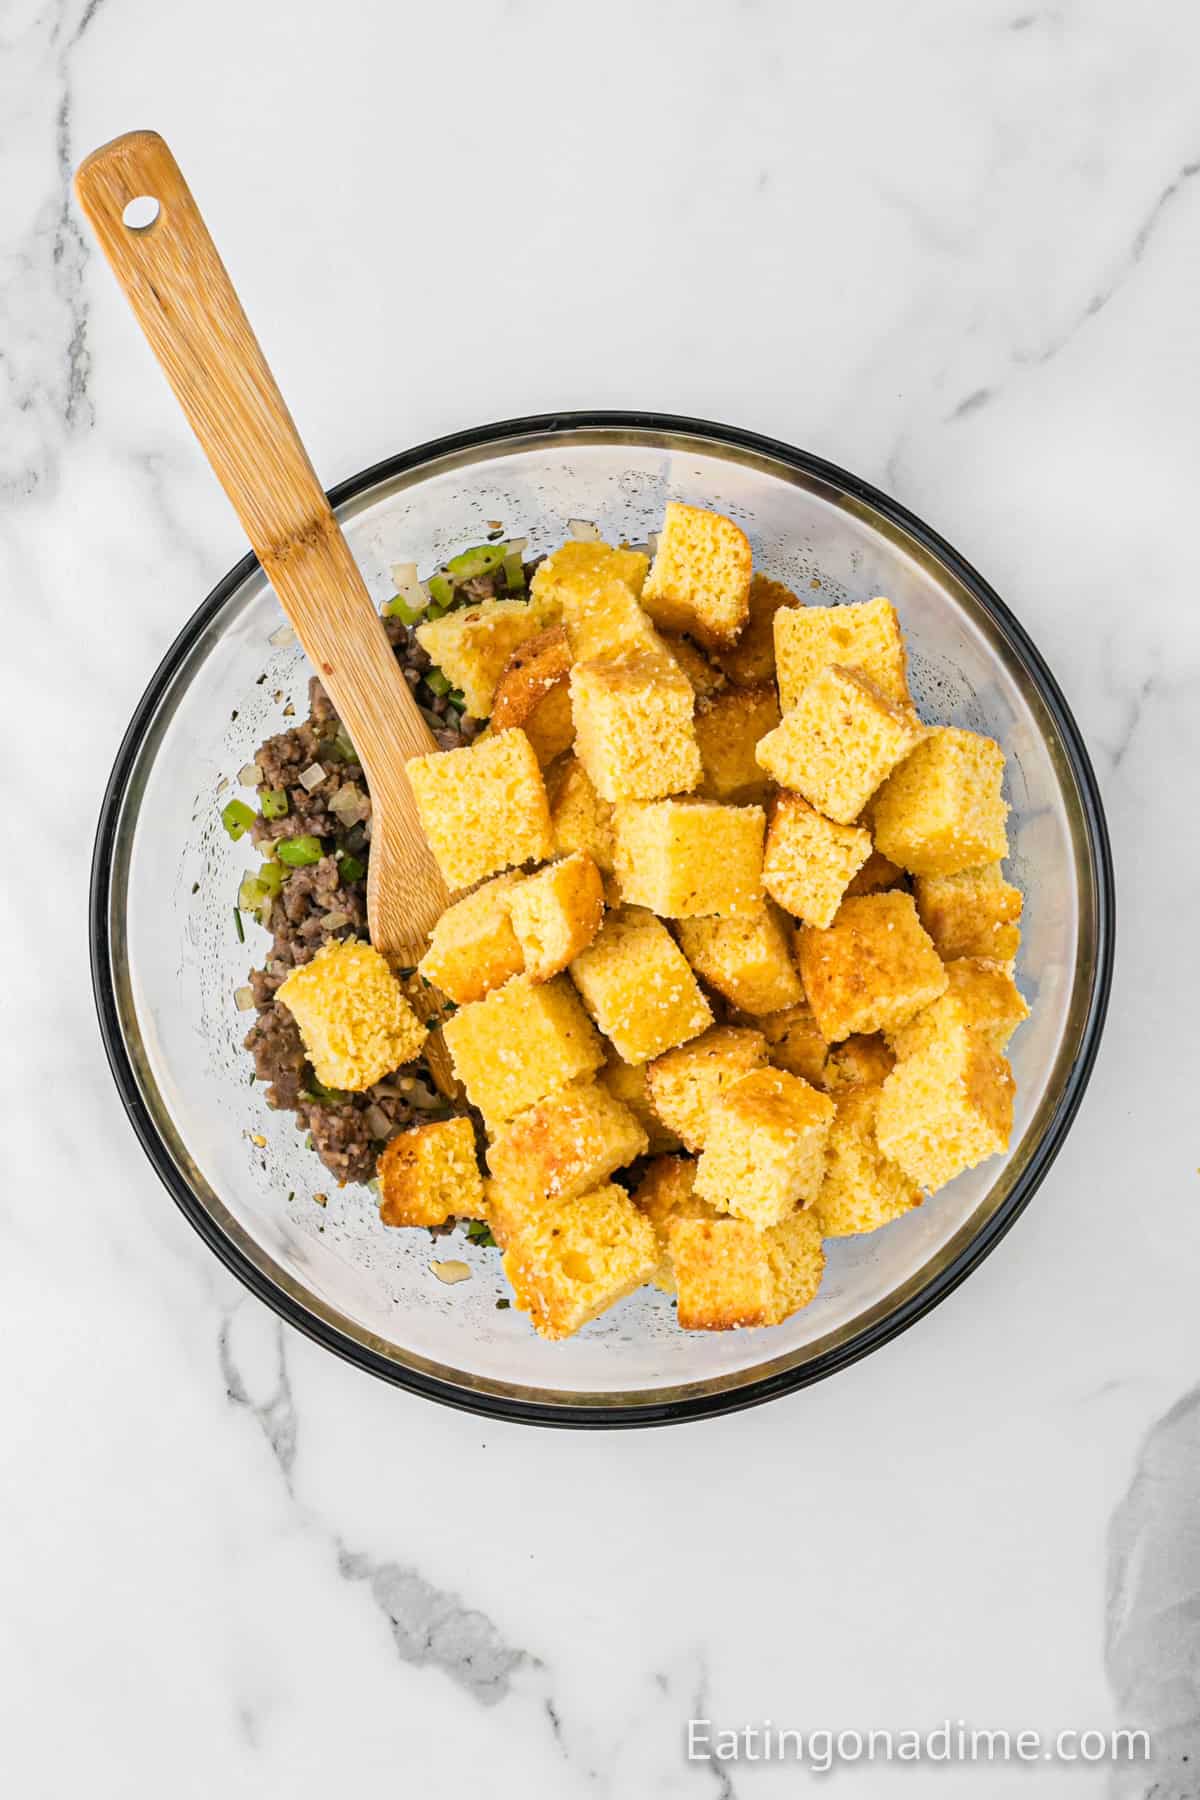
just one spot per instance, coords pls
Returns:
(167, 960)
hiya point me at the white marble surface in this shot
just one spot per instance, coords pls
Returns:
(951, 245)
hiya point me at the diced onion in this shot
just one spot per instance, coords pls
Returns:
(350, 805)
(583, 531)
(414, 593)
(451, 1271)
(243, 999)
(312, 777)
(250, 775)
(334, 921)
(423, 1098)
(377, 1121)
(281, 636)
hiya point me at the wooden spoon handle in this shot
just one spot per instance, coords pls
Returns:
(186, 305)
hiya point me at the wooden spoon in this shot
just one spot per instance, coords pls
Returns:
(185, 303)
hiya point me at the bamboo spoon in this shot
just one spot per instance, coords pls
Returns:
(186, 305)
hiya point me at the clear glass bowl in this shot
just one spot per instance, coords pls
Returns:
(167, 960)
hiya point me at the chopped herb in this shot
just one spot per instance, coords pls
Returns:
(238, 926)
(237, 818)
(195, 887)
(480, 1232)
(351, 869)
(299, 852)
(273, 802)
(503, 1305)
(291, 1193)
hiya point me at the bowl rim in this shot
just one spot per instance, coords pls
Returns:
(754, 1392)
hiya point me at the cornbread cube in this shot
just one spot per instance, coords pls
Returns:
(607, 621)
(667, 1192)
(699, 581)
(808, 860)
(797, 1258)
(975, 913)
(431, 1174)
(765, 1149)
(752, 659)
(578, 1257)
(794, 1043)
(689, 858)
(569, 1142)
(626, 1082)
(482, 808)
(865, 637)
(839, 741)
(579, 567)
(683, 1083)
(858, 1061)
(980, 994)
(863, 1189)
(729, 728)
(633, 726)
(533, 692)
(705, 677)
(520, 1044)
(943, 810)
(872, 970)
(638, 988)
(722, 1274)
(556, 913)
(946, 1107)
(579, 818)
(473, 947)
(472, 644)
(746, 959)
(353, 1020)
(876, 876)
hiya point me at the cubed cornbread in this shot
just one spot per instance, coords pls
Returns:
(794, 1043)
(722, 1274)
(858, 1061)
(699, 581)
(626, 1082)
(576, 1258)
(683, 1083)
(747, 959)
(569, 1142)
(863, 1189)
(842, 738)
(638, 988)
(473, 947)
(520, 1044)
(482, 808)
(431, 1174)
(729, 728)
(666, 1191)
(579, 817)
(975, 913)
(556, 912)
(705, 677)
(872, 970)
(607, 621)
(797, 1258)
(533, 692)
(354, 1022)
(765, 1149)
(876, 876)
(752, 659)
(633, 726)
(472, 644)
(689, 858)
(980, 994)
(943, 811)
(581, 565)
(809, 860)
(865, 636)
(946, 1107)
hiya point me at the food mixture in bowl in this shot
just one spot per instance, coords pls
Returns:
(728, 967)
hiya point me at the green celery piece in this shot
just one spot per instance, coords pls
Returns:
(351, 869)
(237, 818)
(437, 683)
(514, 573)
(270, 878)
(480, 559)
(299, 852)
(273, 802)
(398, 608)
(251, 893)
(441, 593)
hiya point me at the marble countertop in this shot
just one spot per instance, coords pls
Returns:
(950, 246)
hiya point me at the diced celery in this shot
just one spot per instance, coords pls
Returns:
(270, 878)
(441, 594)
(437, 683)
(339, 747)
(299, 852)
(514, 573)
(237, 818)
(480, 559)
(398, 608)
(351, 869)
(251, 893)
(273, 803)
